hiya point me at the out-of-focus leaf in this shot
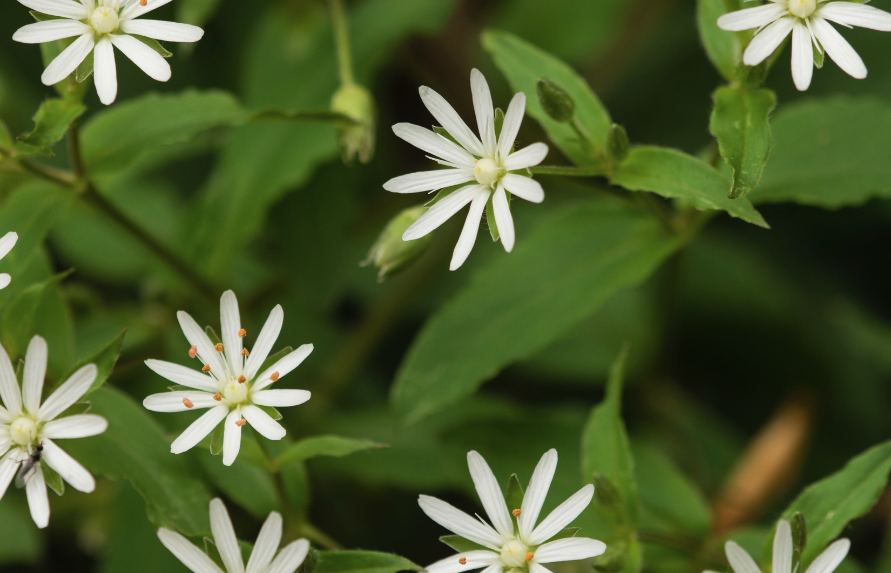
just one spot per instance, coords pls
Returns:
(5, 137)
(20, 542)
(50, 124)
(724, 48)
(246, 485)
(316, 446)
(556, 277)
(196, 12)
(18, 317)
(362, 562)
(104, 357)
(676, 175)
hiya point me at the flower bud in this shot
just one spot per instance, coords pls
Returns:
(390, 253)
(617, 144)
(357, 137)
(555, 101)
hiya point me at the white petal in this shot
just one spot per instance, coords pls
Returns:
(79, 426)
(231, 437)
(190, 556)
(290, 558)
(523, 187)
(68, 393)
(8, 468)
(503, 218)
(767, 40)
(440, 212)
(471, 228)
(267, 544)
(283, 366)
(782, 548)
(267, 337)
(860, 15)
(49, 31)
(164, 31)
(38, 502)
(529, 156)
(9, 386)
(838, 48)
(535, 494)
(5, 418)
(182, 375)
(490, 494)
(449, 119)
(433, 143)
(512, 121)
(570, 549)
(280, 398)
(199, 429)
(224, 537)
(474, 560)
(740, 561)
(459, 522)
(485, 111)
(5, 279)
(5, 442)
(62, 8)
(535, 567)
(428, 181)
(802, 56)
(230, 325)
(66, 62)
(198, 338)
(135, 10)
(35, 371)
(67, 467)
(263, 423)
(752, 17)
(145, 58)
(7, 242)
(173, 401)
(831, 557)
(562, 516)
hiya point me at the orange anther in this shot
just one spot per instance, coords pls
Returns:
(274, 377)
(188, 403)
(240, 422)
(242, 379)
(143, 2)
(529, 556)
(463, 561)
(205, 368)
(217, 397)
(516, 512)
(245, 352)
(242, 333)
(193, 352)
(218, 347)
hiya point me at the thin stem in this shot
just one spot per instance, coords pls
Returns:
(568, 171)
(342, 40)
(318, 536)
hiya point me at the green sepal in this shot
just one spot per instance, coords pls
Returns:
(441, 194)
(273, 413)
(819, 55)
(499, 121)
(275, 358)
(85, 69)
(513, 496)
(212, 335)
(441, 131)
(462, 545)
(154, 44)
(41, 17)
(799, 538)
(566, 533)
(211, 549)
(490, 219)
(216, 439)
(52, 478)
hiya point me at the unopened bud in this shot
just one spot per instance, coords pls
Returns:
(555, 101)
(390, 254)
(617, 144)
(611, 561)
(356, 137)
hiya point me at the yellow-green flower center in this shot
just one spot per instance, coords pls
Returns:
(235, 392)
(23, 431)
(513, 553)
(487, 171)
(802, 8)
(104, 20)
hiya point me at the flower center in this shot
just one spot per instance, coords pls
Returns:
(23, 431)
(513, 554)
(235, 392)
(105, 20)
(487, 171)
(802, 8)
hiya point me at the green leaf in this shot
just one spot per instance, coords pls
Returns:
(362, 562)
(724, 48)
(740, 123)
(5, 137)
(248, 486)
(52, 478)
(332, 446)
(20, 542)
(561, 273)
(523, 64)
(605, 446)
(196, 12)
(461, 545)
(104, 357)
(18, 318)
(50, 125)
(676, 175)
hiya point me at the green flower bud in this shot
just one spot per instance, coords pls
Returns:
(617, 144)
(799, 537)
(357, 137)
(611, 561)
(555, 101)
(390, 253)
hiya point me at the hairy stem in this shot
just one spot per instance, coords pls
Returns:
(342, 40)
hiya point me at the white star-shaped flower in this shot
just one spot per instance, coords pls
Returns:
(522, 549)
(263, 558)
(99, 25)
(28, 428)
(231, 384)
(807, 21)
(489, 165)
(6, 245)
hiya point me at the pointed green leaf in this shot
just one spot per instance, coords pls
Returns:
(724, 48)
(332, 446)
(104, 357)
(362, 562)
(50, 125)
(18, 318)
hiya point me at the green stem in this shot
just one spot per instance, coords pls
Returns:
(342, 40)
(568, 171)
(317, 536)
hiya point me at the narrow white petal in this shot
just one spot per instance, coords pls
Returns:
(751, 18)
(231, 437)
(283, 366)
(740, 561)
(267, 337)
(434, 143)
(535, 494)
(529, 156)
(440, 212)
(471, 228)
(267, 544)
(135, 10)
(428, 180)
(490, 494)
(5, 418)
(66, 62)
(38, 502)
(512, 121)
(224, 537)
(782, 548)
(474, 560)
(263, 423)
(562, 516)
(68, 393)
(8, 468)
(5, 279)
(49, 31)
(535, 567)
(280, 398)
(802, 56)
(460, 523)
(449, 119)
(199, 429)
(767, 40)
(190, 556)
(145, 58)
(831, 557)
(9, 386)
(175, 401)
(230, 325)
(523, 187)
(198, 338)
(35, 371)
(182, 375)
(485, 111)
(79, 426)
(67, 467)
(503, 218)
(7, 242)
(570, 549)
(5, 443)
(860, 15)
(61, 8)
(838, 48)
(290, 558)
(164, 31)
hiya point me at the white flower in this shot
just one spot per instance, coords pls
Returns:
(525, 548)
(6, 245)
(28, 427)
(99, 25)
(232, 385)
(826, 562)
(807, 20)
(261, 560)
(489, 164)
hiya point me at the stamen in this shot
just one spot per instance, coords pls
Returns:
(529, 556)
(205, 368)
(217, 397)
(242, 333)
(188, 403)
(143, 2)
(240, 422)
(218, 347)
(463, 561)
(516, 513)
(245, 352)
(193, 352)
(242, 379)
(274, 377)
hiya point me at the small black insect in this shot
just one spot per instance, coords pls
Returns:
(29, 467)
